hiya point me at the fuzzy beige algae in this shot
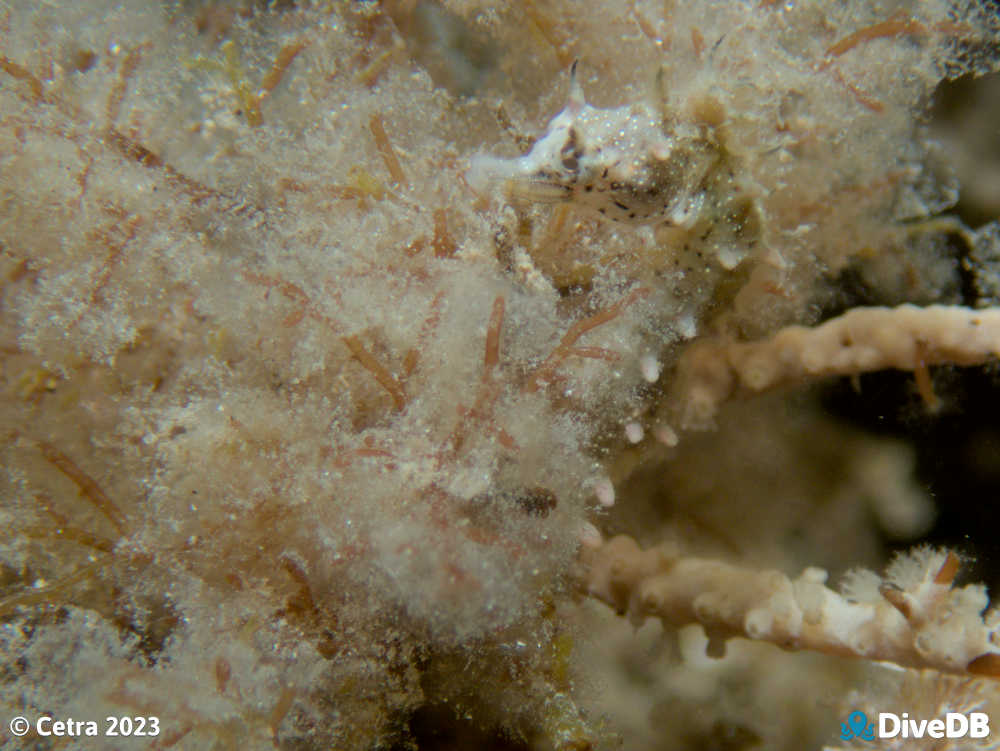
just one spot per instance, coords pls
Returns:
(311, 391)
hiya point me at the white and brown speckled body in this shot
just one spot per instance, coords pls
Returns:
(621, 163)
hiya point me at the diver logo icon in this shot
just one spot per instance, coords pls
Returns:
(857, 726)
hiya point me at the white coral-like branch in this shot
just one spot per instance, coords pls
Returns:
(862, 340)
(912, 617)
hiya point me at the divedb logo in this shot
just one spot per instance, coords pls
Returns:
(889, 725)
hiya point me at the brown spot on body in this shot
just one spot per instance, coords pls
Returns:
(536, 501)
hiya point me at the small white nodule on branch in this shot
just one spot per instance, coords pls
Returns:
(860, 341)
(912, 616)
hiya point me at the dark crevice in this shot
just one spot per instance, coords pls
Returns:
(958, 450)
(436, 727)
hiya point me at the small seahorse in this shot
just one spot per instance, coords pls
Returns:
(623, 163)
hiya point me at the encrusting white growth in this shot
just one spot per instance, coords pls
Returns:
(912, 617)
(589, 535)
(666, 435)
(862, 340)
(650, 368)
(605, 492)
(620, 162)
(634, 432)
